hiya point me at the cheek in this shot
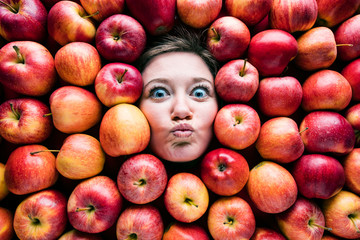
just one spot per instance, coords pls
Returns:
(156, 114)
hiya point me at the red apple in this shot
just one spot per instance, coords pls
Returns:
(333, 12)
(237, 81)
(349, 33)
(41, 216)
(186, 197)
(142, 178)
(198, 13)
(224, 171)
(140, 222)
(120, 38)
(27, 68)
(74, 109)
(270, 51)
(78, 63)
(237, 126)
(77, 235)
(118, 83)
(227, 38)
(157, 16)
(27, 171)
(4, 191)
(124, 130)
(94, 205)
(264, 233)
(6, 223)
(271, 187)
(352, 115)
(185, 231)
(105, 8)
(231, 218)
(279, 96)
(329, 237)
(25, 121)
(351, 164)
(327, 132)
(352, 73)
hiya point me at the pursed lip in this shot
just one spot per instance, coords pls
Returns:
(182, 130)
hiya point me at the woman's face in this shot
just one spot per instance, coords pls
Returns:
(180, 104)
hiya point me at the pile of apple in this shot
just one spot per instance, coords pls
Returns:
(285, 159)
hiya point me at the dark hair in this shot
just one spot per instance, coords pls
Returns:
(179, 39)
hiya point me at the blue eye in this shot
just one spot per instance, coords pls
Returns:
(200, 92)
(158, 93)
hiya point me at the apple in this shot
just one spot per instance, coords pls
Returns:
(25, 121)
(279, 140)
(352, 73)
(78, 63)
(265, 233)
(120, 38)
(279, 96)
(41, 216)
(329, 237)
(27, 171)
(237, 81)
(237, 126)
(94, 205)
(124, 130)
(185, 231)
(186, 197)
(142, 178)
(327, 132)
(140, 222)
(250, 12)
(68, 22)
(224, 171)
(231, 218)
(227, 38)
(293, 15)
(6, 223)
(331, 13)
(303, 220)
(198, 13)
(352, 115)
(157, 16)
(351, 164)
(74, 109)
(77, 235)
(348, 33)
(316, 49)
(261, 26)
(271, 187)
(105, 9)
(27, 68)
(342, 214)
(270, 51)
(23, 20)
(326, 90)
(4, 191)
(118, 83)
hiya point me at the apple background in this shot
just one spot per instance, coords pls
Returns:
(283, 32)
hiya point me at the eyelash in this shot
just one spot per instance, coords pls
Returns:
(202, 86)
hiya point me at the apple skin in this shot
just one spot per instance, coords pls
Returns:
(140, 222)
(224, 171)
(106, 8)
(77, 235)
(348, 33)
(303, 220)
(74, 109)
(6, 223)
(231, 218)
(184, 231)
(142, 178)
(237, 126)
(333, 12)
(157, 16)
(316, 49)
(352, 73)
(264, 233)
(198, 13)
(237, 81)
(116, 46)
(24, 121)
(351, 164)
(4, 191)
(270, 51)
(26, 172)
(342, 214)
(352, 115)
(250, 12)
(118, 83)
(78, 63)
(293, 15)
(94, 205)
(327, 132)
(271, 187)
(329, 237)
(80, 157)
(41, 215)
(186, 197)
(227, 38)
(279, 96)
(67, 22)
(124, 130)
(32, 74)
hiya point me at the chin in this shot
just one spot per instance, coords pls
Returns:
(180, 153)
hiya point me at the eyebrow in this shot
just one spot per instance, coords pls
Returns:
(165, 80)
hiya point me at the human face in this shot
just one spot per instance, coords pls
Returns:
(180, 104)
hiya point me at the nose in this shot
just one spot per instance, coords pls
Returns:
(181, 108)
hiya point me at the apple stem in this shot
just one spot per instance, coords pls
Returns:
(190, 202)
(19, 56)
(121, 78)
(320, 226)
(47, 114)
(141, 182)
(17, 115)
(34, 220)
(10, 7)
(91, 15)
(303, 130)
(132, 236)
(88, 208)
(344, 45)
(242, 72)
(353, 221)
(36, 152)
(217, 38)
(229, 221)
